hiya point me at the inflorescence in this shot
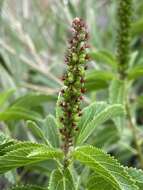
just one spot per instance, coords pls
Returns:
(74, 79)
(124, 34)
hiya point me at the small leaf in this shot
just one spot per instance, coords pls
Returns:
(50, 130)
(96, 79)
(61, 180)
(92, 118)
(38, 132)
(137, 27)
(17, 113)
(32, 100)
(35, 129)
(135, 72)
(105, 57)
(105, 166)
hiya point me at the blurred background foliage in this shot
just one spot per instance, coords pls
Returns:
(33, 40)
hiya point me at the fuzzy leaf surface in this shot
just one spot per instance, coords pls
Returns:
(105, 166)
(61, 180)
(25, 153)
(94, 115)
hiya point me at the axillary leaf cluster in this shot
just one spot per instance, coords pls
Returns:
(74, 79)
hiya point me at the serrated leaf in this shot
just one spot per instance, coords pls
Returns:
(32, 100)
(105, 166)
(17, 113)
(98, 182)
(137, 175)
(25, 153)
(61, 180)
(92, 118)
(96, 79)
(4, 138)
(28, 187)
(105, 57)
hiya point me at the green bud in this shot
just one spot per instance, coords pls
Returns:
(74, 57)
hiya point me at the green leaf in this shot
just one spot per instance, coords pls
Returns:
(17, 113)
(105, 136)
(140, 100)
(95, 115)
(137, 175)
(28, 187)
(5, 95)
(135, 72)
(32, 100)
(105, 57)
(105, 166)
(25, 153)
(50, 130)
(117, 95)
(137, 27)
(37, 132)
(117, 92)
(35, 129)
(4, 138)
(98, 182)
(96, 79)
(61, 180)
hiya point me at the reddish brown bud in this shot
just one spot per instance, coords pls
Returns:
(62, 91)
(82, 80)
(82, 90)
(87, 46)
(86, 36)
(81, 97)
(87, 57)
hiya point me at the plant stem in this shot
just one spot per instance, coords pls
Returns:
(123, 56)
(135, 135)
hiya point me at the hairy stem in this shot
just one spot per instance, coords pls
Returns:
(135, 135)
(124, 14)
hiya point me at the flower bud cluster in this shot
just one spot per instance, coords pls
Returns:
(124, 32)
(74, 79)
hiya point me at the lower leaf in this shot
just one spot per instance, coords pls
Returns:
(105, 166)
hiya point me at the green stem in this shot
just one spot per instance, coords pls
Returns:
(135, 135)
